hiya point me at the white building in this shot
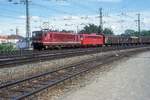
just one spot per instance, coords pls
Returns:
(3, 39)
(10, 39)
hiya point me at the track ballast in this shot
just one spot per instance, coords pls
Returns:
(43, 56)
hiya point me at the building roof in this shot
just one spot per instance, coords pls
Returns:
(15, 37)
(3, 37)
(11, 37)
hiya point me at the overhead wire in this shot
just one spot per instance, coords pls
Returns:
(52, 9)
(11, 17)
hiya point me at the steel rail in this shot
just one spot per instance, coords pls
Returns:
(12, 62)
(31, 52)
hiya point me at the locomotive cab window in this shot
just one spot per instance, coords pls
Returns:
(37, 34)
(33, 34)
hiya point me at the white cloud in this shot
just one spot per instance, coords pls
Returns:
(32, 17)
(60, 2)
(0, 31)
(117, 22)
(22, 16)
(63, 3)
(111, 1)
(35, 18)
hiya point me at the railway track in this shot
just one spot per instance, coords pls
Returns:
(24, 88)
(15, 53)
(19, 53)
(10, 62)
(19, 60)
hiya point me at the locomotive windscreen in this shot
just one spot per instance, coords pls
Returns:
(37, 34)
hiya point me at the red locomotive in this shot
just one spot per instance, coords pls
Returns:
(92, 40)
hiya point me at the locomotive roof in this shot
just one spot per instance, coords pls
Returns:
(93, 34)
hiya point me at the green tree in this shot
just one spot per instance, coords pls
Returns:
(129, 32)
(6, 47)
(145, 33)
(91, 28)
(108, 31)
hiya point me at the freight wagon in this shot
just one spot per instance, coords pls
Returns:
(115, 40)
(121, 40)
(144, 39)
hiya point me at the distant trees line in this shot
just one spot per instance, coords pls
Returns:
(130, 32)
(91, 28)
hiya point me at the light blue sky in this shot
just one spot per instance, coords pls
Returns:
(12, 15)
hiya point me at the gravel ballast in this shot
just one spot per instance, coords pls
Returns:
(22, 71)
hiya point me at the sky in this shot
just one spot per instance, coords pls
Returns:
(118, 15)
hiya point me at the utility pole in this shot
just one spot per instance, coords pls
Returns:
(139, 23)
(77, 29)
(17, 31)
(27, 23)
(101, 18)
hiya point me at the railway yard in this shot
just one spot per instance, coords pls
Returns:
(74, 50)
(31, 74)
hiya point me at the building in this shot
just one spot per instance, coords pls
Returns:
(10, 39)
(14, 38)
(3, 39)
